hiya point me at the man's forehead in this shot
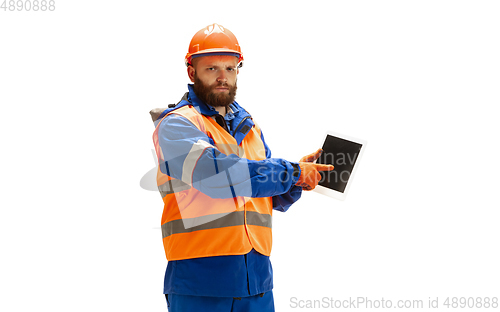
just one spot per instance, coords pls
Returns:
(216, 59)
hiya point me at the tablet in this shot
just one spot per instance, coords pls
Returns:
(344, 153)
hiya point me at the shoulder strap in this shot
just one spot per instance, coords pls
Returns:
(184, 98)
(158, 113)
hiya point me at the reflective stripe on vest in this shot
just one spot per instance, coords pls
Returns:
(215, 221)
(195, 225)
(192, 158)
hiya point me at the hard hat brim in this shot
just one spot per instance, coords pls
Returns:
(208, 52)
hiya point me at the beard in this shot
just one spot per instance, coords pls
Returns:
(206, 94)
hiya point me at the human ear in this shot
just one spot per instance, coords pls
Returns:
(191, 72)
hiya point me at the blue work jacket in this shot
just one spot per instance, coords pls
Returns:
(222, 276)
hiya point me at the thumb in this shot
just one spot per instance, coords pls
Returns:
(317, 154)
(312, 157)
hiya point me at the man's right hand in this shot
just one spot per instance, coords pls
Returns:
(309, 174)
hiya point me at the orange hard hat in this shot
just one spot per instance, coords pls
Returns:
(215, 40)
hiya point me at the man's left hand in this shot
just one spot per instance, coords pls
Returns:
(312, 157)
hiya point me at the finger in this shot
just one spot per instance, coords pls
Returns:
(321, 167)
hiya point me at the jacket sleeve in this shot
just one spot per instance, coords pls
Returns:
(192, 157)
(284, 201)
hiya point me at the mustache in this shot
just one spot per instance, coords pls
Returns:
(222, 84)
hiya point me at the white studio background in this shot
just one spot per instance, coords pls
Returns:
(419, 80)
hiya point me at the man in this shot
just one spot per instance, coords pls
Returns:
(219, 186)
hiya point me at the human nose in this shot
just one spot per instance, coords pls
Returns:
(222, 76)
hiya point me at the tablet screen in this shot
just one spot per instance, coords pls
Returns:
(342, 154)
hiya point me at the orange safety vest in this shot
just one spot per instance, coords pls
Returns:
(195, 225)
